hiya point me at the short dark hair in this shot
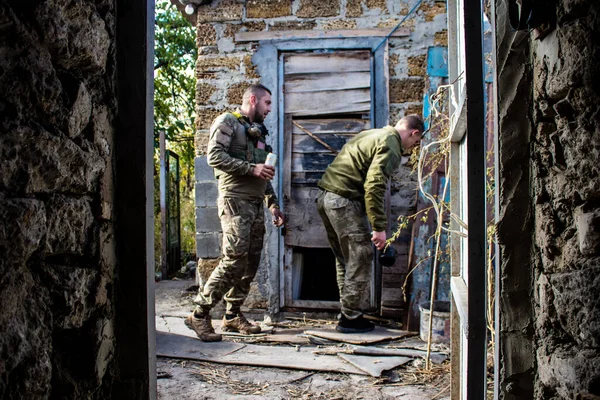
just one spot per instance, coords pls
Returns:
(256, 89)
(413, 121)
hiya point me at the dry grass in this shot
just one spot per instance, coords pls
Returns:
(213, 375)
(436, 376)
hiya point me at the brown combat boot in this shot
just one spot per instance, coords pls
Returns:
(239, 324)
(202, 327)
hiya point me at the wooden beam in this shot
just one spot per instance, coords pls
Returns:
(318, 34)
(476, 281)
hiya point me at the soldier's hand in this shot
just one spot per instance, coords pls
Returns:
(278, 218)
(378, 239)
(263, 171)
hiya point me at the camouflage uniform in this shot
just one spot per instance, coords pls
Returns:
(354, 186)
(233, 153)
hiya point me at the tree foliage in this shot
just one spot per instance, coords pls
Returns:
(175, 54)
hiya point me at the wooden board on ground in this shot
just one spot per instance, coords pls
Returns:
(436, 358)
(178, 346)
(379, 334)
(374, 366)
(284, 338)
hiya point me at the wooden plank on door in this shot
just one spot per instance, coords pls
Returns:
(328, 102)
(304, 227)
(327, 81)
(316, 162)
(334, 126)
(337, 62)
(306, 144)
(287, 160)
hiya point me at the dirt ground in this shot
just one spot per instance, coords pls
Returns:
(190, 379)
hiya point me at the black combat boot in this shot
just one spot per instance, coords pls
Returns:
(357, 325)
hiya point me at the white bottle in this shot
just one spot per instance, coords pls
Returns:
(271, 160)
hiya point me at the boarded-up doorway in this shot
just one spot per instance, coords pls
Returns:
(327, 98)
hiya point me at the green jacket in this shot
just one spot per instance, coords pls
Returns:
(232, 153)
(362, 169)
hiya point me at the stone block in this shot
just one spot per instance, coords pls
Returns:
(211, 63)
(379, 4)
(268, 8)
(71, 291)
(102, 128)
(23, 223)
(235, 93)
(249, 68)
(417, 65)
(205, 117)
(441, 38)
(202, 171)
(201, 143)
(354, 8)
(249, 26)
(576, 303)
(338, 24)
(405, 90)
(206, 35)
(393, 22)
(81, 111)
(292, 25)
(204, 91)
(431, 10)
(69, 222)
(588, 231)
(318, 8)
(64, 167)
(226, 10)
(206, 193)
(207, 219)
(208, 245)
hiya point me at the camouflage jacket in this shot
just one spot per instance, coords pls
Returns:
(362, 169)
(232, 153)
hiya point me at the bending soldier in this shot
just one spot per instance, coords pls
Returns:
(351, 207)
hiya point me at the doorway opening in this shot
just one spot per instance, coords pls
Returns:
(314, 274)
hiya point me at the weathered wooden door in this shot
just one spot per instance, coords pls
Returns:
(327, 99)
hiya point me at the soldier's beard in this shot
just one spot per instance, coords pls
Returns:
(258, 117)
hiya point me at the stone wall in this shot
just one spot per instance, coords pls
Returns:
(550, 330)
(566, 197)
(225, 67)
(57, 243)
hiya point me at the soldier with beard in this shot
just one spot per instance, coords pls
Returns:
(237, 151)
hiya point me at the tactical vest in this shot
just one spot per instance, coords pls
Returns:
(253, 154)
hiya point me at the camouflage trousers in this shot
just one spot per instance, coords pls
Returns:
(242, 222)
(348, 232)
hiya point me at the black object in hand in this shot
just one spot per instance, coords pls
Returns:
(387, 258)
